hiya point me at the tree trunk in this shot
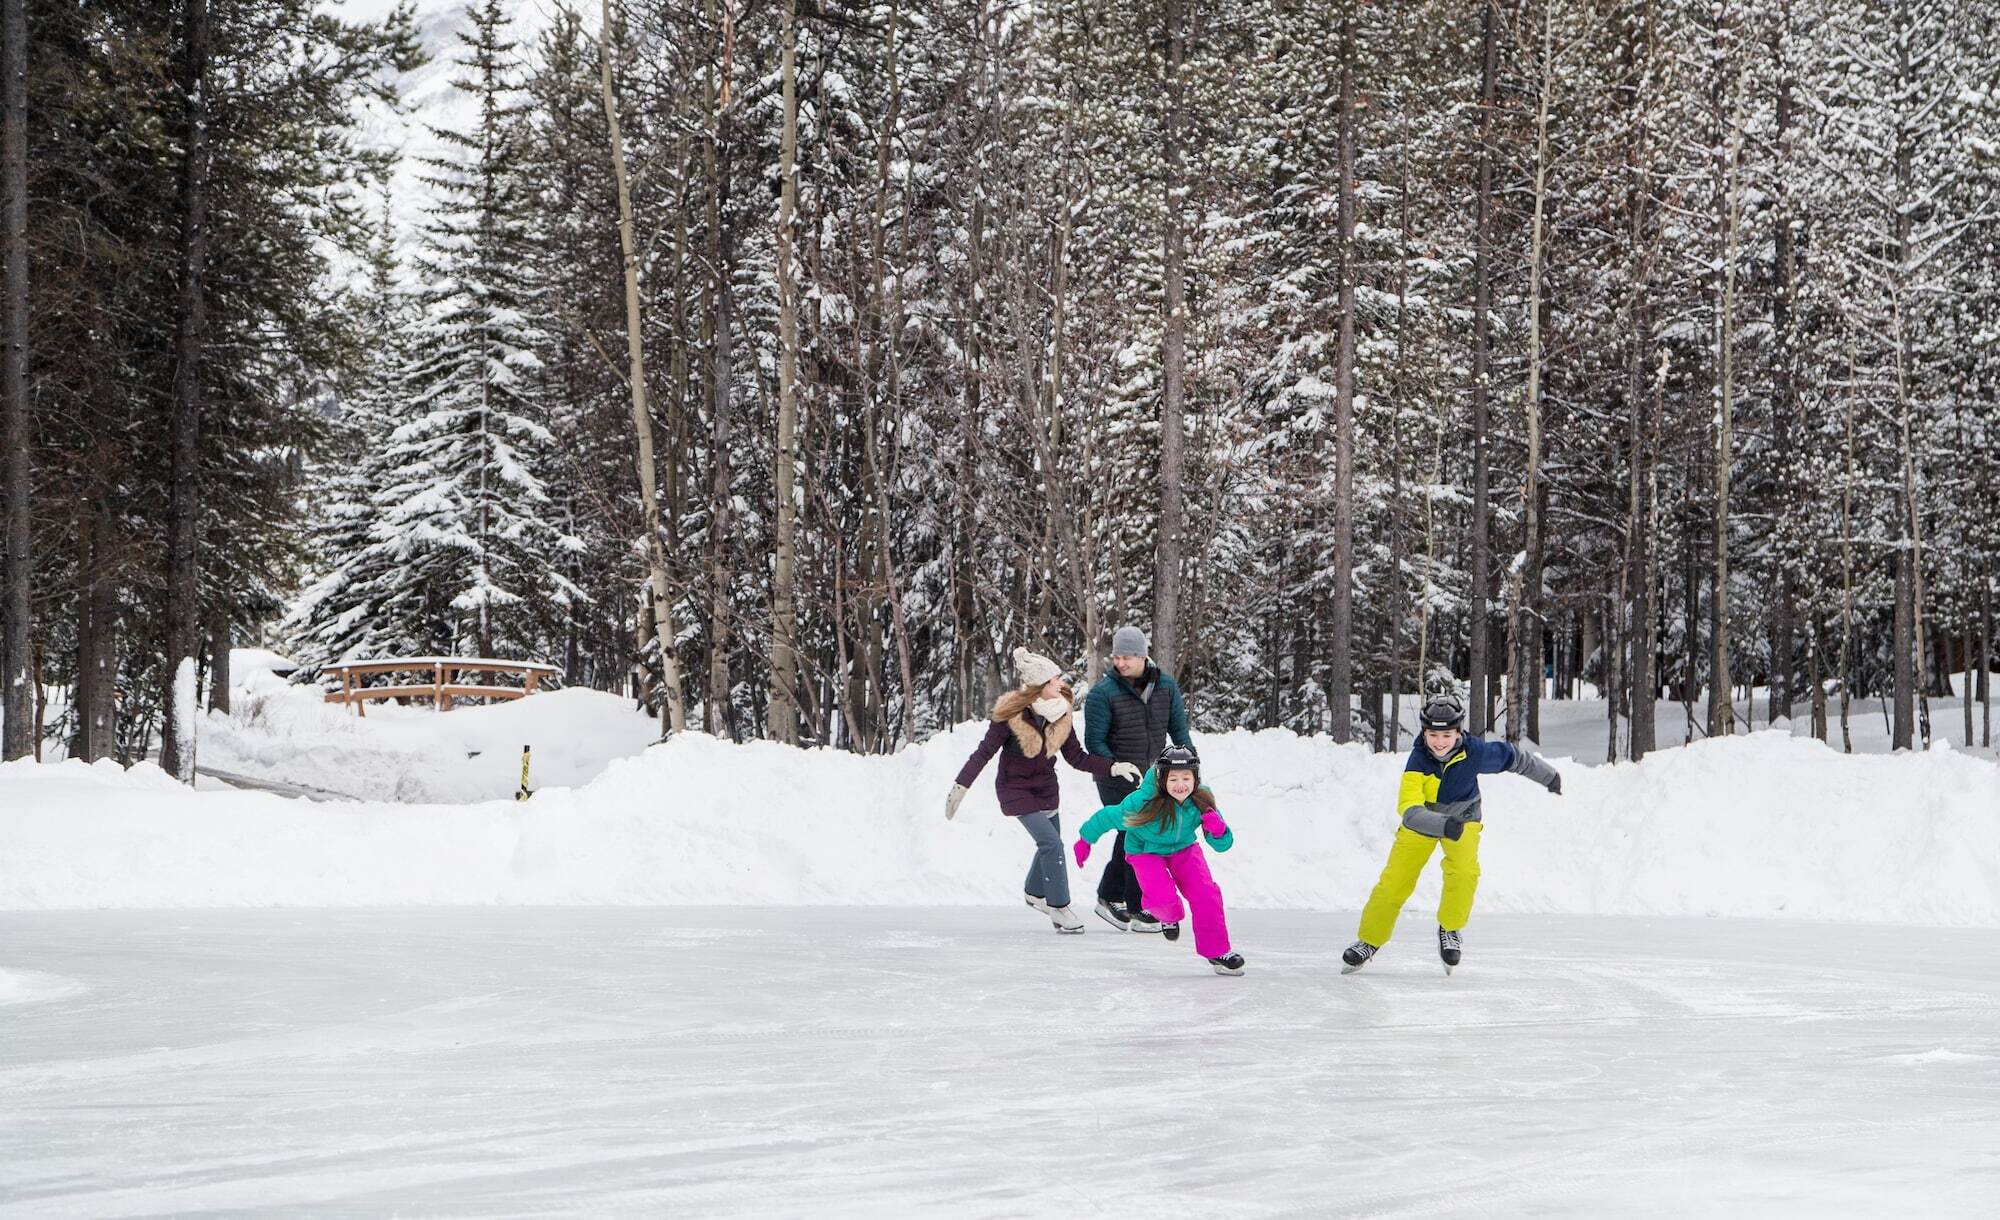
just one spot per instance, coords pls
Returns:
(1524, 627)
(1847, 565)
(1902, 670)
(1986, 657)
(642, 419)
(218, 664)
(1727, 136)
(1173, 373)
(784, 616)
(17, 704)
(1340, 677)
(1645, 394)
(1784, 379)
(721, 323)
(1908, 672)
(177, 740)
(1480, 711)
(891, 331)
(94, 643)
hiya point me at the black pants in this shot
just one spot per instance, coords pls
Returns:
(1119, 883)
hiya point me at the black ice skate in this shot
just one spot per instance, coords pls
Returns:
(1115, 915)
(1355, 956)
(1231, 963)
(1449, 948)
(1172, 931)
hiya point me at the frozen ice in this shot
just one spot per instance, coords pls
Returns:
(967, 1061)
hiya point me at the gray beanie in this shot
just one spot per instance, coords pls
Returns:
(1128, 642)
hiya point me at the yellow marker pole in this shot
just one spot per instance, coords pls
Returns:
(525, 792)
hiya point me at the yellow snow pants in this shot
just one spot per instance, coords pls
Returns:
(1407, 857)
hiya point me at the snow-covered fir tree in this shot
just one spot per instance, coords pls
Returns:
(462, 552)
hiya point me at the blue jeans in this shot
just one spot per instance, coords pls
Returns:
(1047, 879)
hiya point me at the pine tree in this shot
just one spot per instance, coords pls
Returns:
(463, 513)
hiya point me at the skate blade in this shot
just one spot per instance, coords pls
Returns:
(1226, 970)
(1069, 931)
(1113, 921)
(1448, 970)
(1347, 969)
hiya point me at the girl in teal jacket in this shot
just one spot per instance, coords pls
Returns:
(1160, 821)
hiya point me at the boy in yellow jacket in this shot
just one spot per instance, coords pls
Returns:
(1439, 803)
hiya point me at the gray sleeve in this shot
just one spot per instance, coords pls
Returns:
(1433, 819)
(1532, 767)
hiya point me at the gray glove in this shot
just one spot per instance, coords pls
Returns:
(1534, 767)
(951, 802)
(1127, 771)
(1446, 821)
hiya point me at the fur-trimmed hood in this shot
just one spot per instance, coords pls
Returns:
(1034, 740)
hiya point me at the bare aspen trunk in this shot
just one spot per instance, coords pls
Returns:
(1524, 629)
(1986, 658)
(1480, 711)
(1847, 566)
(177, 739)
(1784, 405)
(784, 617)
(1340, 677)
(720, 323)
(1644, 392)
(1396, 544)
(964, 608)
(1728, 144)
(17, 702)
(891, 340)
(642, 420)
(1173, 373)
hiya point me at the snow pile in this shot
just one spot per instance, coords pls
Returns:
(30, 986)
(285, 732)
(1767, 825)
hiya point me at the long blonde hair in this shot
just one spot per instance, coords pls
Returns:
(1020, 699)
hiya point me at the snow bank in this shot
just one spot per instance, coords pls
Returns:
(288, 733)
(31, 986)
(1767, 825)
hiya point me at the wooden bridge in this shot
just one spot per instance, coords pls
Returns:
(446, 684)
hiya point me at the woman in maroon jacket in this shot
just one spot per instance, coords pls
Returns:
(1031, 725)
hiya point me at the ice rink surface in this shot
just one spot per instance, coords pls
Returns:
(968, 1062)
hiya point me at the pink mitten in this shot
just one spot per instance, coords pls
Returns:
(1212, 822)
(1082, 852)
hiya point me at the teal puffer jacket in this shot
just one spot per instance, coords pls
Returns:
(1170, 834)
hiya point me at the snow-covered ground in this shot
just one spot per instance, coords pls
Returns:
(968, 1062)
(1766, 825)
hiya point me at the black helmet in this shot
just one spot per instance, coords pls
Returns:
(1178, 758)
(1442, 711)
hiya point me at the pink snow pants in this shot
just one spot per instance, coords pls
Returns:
(1188, 870)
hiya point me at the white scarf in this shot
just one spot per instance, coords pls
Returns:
(1051, 709)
